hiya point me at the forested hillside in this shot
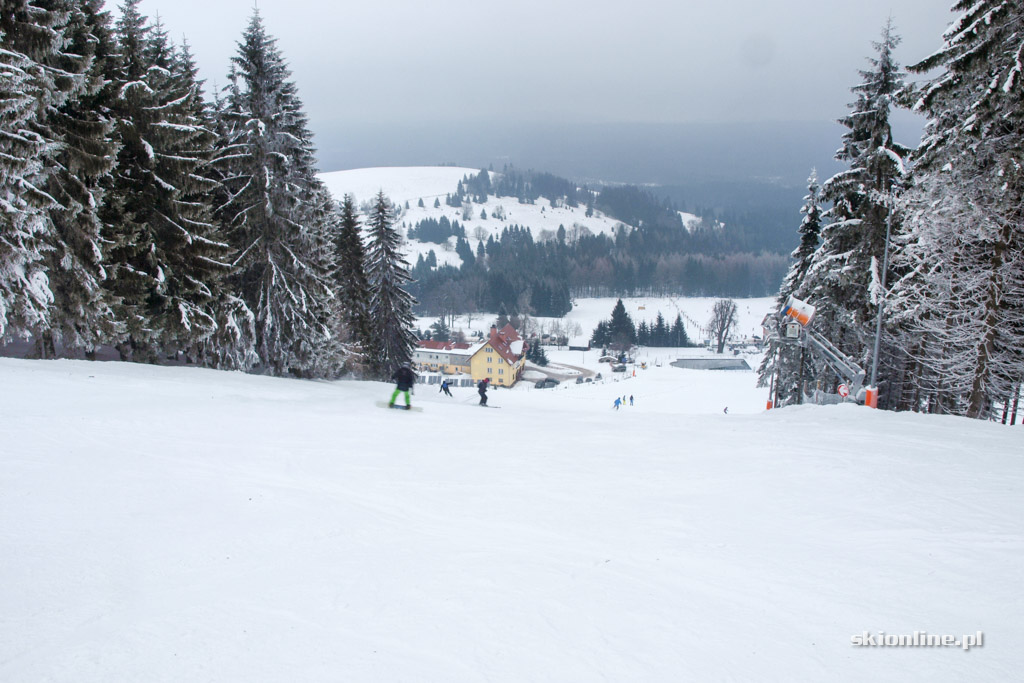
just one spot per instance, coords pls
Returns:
(524, 267)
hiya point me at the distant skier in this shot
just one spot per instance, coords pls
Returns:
(631, 399)
(725, 410)
(481, 388)
(444, 387)
(404, 379)
(618, 402)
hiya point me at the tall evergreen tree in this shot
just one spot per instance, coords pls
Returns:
(786, 361)
(339, 351)
(32, 37)
(659, 333)
(621, 330)
(390, 304)
(266, 159)
(131, 272)
(80, 318)
(643, 334)
(678, 332)
(167, 257)
(844, 280)
(352, 287)
(197, 253)
(961, 303)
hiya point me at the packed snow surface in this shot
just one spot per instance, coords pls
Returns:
(177, 524)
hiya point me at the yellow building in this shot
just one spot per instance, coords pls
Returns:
(501, 357)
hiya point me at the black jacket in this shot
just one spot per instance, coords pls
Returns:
(404, 378)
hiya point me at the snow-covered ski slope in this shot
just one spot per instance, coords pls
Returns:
(176, 524)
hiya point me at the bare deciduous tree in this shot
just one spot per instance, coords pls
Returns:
(723, 321)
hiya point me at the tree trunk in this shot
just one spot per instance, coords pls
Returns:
(978, 396)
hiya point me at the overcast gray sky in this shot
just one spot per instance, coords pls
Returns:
(570, 61)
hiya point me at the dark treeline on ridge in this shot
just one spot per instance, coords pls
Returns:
(522, 274)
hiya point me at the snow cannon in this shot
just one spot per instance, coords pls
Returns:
(801, 311)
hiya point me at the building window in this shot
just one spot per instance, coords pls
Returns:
(501, 371)
(490, 360)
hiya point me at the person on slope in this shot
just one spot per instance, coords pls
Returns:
(404, 379)
(618, 402)
(481, 388)
(444, 388)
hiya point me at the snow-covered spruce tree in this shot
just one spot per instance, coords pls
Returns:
(336, 353)
(963, 246)
(32, 37)
(536, 355)
(266, 159)
(678, 334)
(390, 304)
(621, 331)
(232, 346)
(787, 361)
(168, 257)
(131, 275)
(844, 278)
(197, 253)
(351, 286)
(232, 343)
(79, 317)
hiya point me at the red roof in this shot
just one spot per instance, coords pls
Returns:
(502, 341)
(441, 346)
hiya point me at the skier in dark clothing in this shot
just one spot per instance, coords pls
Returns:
(444, 387)
(404, 378)
(481, 388)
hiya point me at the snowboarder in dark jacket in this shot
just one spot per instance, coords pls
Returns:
(444, 387)
(404, 378)
(481, 388)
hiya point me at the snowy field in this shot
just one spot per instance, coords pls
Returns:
(176, 524)
(696, 312)
(587, 313)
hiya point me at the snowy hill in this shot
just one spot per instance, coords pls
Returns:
(400, 184)
(410, 185)
(175, 524)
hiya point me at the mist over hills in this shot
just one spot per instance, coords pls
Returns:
(752, 172)
(692, 154)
